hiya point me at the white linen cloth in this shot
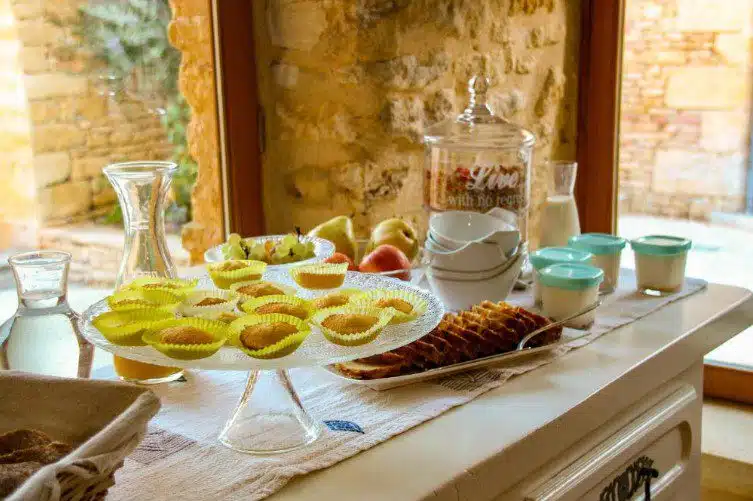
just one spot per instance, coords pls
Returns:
(181, 458)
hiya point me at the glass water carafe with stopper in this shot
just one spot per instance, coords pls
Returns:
(142, 189)
(42, 337)
(559, 219)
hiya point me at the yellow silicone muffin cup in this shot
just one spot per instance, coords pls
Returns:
(218, 331)
(176, 286)
(190, 308)
(160, 299)
(383, 315)
(320, 276)
(286, 289)
(351, 293)
(251, 305)
(284, 347)
(125, 328)
(253, 270)
(371, 298)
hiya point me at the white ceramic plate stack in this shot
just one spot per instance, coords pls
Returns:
(472, 257)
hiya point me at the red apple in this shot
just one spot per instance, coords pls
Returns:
(386, 258)
(339, 257)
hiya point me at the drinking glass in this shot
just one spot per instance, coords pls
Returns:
(42, 336)
(142, 189)
(559, 220)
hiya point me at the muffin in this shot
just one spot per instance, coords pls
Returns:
(125, 328)
(227, 273)
(320, 276)
(285, 305)
(261, 288)
(138, 299)
(204, 303)
(187, 338)
(335, 299)
(405, 304)
(272, 335)
(352, 325)
(174, 285)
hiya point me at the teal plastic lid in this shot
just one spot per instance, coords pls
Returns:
(598, 243)
(661, 245)
(556, 255)
(571, 276)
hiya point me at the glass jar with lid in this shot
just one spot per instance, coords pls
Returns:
(479, 161)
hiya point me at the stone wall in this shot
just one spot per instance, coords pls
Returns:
(348, 86)
(685, 106)
(78, 125)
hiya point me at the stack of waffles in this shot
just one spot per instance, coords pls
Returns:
(486, 329)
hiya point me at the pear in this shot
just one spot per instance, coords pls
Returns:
(339, 231)
(395, 232)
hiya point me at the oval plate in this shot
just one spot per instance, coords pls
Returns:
(315, 350)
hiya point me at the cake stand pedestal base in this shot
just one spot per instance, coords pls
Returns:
(269, 419)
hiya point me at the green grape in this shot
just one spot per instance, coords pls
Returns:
(299, 251)
(257, 252)
(289, 240)
(234, 239)
(309, 249)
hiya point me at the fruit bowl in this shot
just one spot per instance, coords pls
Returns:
(322, 250)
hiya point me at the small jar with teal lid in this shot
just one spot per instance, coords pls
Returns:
(660, 262)
(569, 288)
(548, 256)
(607, 251)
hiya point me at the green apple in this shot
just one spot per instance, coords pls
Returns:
(339, 231)
(395, 232)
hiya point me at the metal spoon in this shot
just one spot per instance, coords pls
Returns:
(592, 307)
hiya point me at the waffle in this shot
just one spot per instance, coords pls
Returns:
(486, 329)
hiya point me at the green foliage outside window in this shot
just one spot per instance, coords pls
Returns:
(128, 39)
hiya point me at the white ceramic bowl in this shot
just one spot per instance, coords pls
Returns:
(322, 250)
(461, 291)
(453, 229)
(475, 257)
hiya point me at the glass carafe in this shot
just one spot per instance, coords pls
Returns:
(42, 336)
(142, 189)
(559, 217)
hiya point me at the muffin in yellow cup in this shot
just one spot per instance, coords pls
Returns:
(319, 276)
(286, 305)
(226, 317)
(176, 286)
(335, 299)
(201, 303)
(138, 299)
(268, 336)
(187, 338)
(261, 288)
(352, 325)
(227, 273)
(125, 328)
(406, 305)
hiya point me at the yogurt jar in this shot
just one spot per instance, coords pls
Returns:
(660, 262)
(568, 288)
(548, 256)
(607, 250)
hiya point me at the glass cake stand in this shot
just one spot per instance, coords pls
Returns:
(275, 421)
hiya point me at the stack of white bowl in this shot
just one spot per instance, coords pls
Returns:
(471, 257)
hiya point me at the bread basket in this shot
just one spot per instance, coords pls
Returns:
(103, 420)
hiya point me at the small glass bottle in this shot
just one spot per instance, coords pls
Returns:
(142, 189)
(559, 219)
(479, 161)
(42, 337)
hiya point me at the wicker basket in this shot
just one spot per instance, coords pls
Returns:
(106, 419)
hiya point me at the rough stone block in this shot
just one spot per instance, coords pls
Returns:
(48, 85)
(57, 137)
(706, 88)
(51, 168)
(733, 47)
(88, 167)
(27, 9)
(52, 110)
(698, 173)
(296, 24)
(92, 107)
(405, 117)
(710, 15)
(724, 131)
(39, 32)
(34, 59)
(64, 200)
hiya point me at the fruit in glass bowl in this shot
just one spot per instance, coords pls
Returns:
(276, 250)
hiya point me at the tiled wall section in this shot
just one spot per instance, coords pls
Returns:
(685, 106)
